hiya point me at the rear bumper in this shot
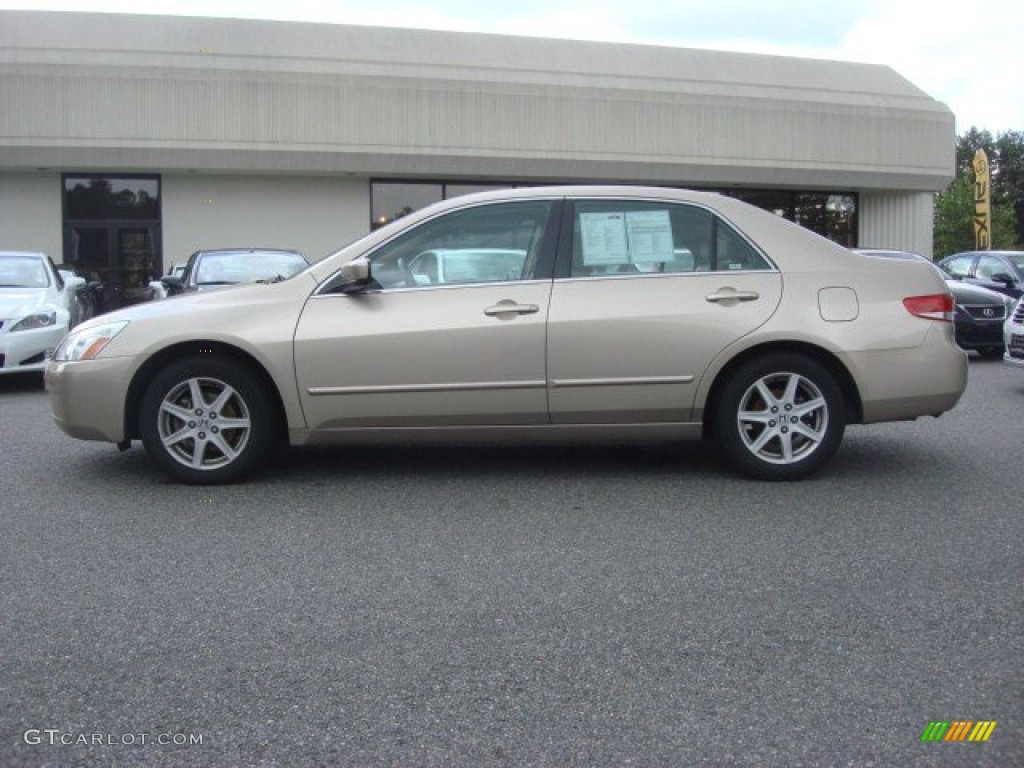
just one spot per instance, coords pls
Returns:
(902, 384)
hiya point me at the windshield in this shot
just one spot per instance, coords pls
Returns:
(1017, 259)
(232, 267)
(23, 272)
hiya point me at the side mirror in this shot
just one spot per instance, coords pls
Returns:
(173, 284)
(1002, 277)
(356, 272)
(352, 275)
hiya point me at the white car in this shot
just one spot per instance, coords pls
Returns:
(1013, 332)
(37, 307)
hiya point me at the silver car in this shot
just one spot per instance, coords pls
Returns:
(1013, 332)
(625, 313)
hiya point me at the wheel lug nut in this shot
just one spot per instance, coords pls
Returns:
(191, 425)
(215, 430)
(199, 411)
(202, 435)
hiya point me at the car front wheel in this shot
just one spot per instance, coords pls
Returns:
(780, 417)
(206, 420)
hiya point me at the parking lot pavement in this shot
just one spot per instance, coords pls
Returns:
(447, 607)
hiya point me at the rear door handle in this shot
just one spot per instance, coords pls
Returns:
(730, 296)
(508, 307)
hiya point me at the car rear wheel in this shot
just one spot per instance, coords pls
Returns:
(206, 420)
(780, 417)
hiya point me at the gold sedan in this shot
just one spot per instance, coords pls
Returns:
(567, 313)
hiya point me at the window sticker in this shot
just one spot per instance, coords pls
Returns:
(634, 237)
(603, 237)
(650, 237)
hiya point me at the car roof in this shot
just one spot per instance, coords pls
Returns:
(23, 254)
(204, 251)
(986, 253)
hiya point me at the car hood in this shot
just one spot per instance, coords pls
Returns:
(974, 294)
(239, 299)
(18, 302)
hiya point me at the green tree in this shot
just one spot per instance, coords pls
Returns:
(954, 220)
(1006, 166)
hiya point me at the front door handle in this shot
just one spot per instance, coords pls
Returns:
(508, 307)
(730, 296)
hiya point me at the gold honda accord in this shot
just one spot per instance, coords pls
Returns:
(568, 313)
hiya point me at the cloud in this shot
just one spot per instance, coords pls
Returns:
(965, 55)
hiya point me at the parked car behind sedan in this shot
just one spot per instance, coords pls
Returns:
(978, 322)
(158, 288)
(1013, 331)
(213, 269)
(37, 307)
(637, 314)
(1001, 271)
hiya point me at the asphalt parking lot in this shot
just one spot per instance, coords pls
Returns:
(601, 606)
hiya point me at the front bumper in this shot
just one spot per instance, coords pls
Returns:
(1014, 354)
(87, 397)
(25, 351)
(979, 334)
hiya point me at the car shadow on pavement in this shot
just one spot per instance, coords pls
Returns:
(310, 463)
(21, 382)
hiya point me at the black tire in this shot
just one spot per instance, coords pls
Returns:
(197, 444)
(780, 417)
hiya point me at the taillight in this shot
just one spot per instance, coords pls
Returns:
(938, 306)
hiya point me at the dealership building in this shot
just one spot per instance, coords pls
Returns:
(129, 141)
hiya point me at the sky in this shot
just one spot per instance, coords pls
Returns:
(965, 54)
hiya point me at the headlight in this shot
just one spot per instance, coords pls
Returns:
(86, 344)
(36, 320)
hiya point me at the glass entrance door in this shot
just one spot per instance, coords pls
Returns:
(112, 234)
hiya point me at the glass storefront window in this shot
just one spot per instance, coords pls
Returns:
(831, 214)
(391, 200)
(89, 197)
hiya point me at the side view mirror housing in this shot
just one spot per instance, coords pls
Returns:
(173, 284)
(1002, 277)
(356, 271)
(353, 275)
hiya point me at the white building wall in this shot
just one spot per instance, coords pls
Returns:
(111, 91)
(315, 215)
(900, 221)
(30, 213)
